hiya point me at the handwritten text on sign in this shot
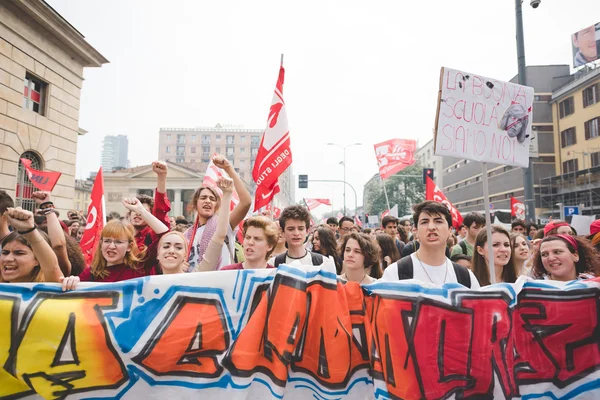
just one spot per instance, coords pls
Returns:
(483, 119)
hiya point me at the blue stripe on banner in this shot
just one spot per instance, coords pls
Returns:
(571, 395)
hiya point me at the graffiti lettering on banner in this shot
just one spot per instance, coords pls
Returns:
(299, 333)
(483, 119)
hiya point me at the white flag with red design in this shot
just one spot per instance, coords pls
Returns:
(385, 213)
(314, 203)
(212, 175)
(357, 221)
(339, 215)
(394, 155)
(274, 153)
(96, 219)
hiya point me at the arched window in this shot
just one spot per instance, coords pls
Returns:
(24, 186)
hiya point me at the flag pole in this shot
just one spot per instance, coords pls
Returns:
(282, 59)
(387, 201)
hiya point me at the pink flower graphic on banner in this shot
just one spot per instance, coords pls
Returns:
(274, 114)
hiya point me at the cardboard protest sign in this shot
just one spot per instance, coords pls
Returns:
(483, 119)
(298, 333)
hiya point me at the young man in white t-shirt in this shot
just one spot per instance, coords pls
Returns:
(295, 221)
(429, 263)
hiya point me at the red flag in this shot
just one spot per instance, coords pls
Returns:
(274, 153)
(43, 180)
(95, 220)
(394, 155)
(275, 211)
(314, 203)
(385, 213)
(357, 221)
(212, 175)
(433, 192)
(517, 208)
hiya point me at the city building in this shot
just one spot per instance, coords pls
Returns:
(83, 191)
(42, 57)
(115, 150)
(194, 147)
(427, 159)
(576, 118)
(462, 182)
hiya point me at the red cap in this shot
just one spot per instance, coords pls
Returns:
(552, 225)
(595, 227)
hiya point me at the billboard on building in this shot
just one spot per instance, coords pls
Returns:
(586, 45)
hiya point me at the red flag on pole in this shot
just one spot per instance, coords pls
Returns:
(274, 153)
(96, 219)
(394, 155)
(43, 180)
(517, 208)
(212, 175)
(433, 192)
(357, 221)
(314, 203)
(386, 212)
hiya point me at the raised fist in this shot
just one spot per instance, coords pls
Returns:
(21, 220)
(159, 168)
(221, 162)
(225, 184)
(133, 204)
(41, 197)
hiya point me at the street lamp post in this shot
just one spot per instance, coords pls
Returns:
(344, 162)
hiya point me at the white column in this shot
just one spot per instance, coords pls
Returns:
(177, 203)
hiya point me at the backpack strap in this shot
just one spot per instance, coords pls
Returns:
(405, 268)
(280, 259)
(463, 246)
(462, 275)
(316, 258)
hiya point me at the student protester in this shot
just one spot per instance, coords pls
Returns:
(461, 232)
(474, 223)
(260, 239)
(324, 243)
(389, 223)
(295, 221)
(430, 262)
(518, 226)
(26, 253)
(345, 225)
(406, 224)
(206, 202)
(402, 236)
(521, 254)
(281, 247)
(360, 259)
(565, 258)
(504, 266)
(73, 227)
(389, 253)
(117, 257)
(159, 207)
(173, 247)
(531, 231)
(461, 259)
(558, 227)
(6, 202)
(333, 224)
(594, 236)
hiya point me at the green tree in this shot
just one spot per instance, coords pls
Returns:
(401, 189)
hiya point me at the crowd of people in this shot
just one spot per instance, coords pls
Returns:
(146, 241)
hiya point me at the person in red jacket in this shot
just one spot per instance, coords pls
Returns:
(159, 207)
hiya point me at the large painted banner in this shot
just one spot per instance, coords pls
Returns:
(298, 334)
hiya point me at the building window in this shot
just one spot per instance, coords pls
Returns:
(180, 139)
(205, 139)
(255, 140)
(595, 159)
(34, 94)
(180, 151)
(230, 139)
(242, 162)
(229, 151)
(254, 151)
(193, 149)
(243, 139)
(193, 138)
(24, 186)
(218, 150)
(568, 137)
(169, 136)
(206, 160)
(570, 166)
(167, 149)
(218, 137)
(591, 95)
(180, 160)
(591, 128)
(567, 107)
(206, 151)
(242, 149)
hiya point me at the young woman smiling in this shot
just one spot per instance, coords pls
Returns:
(565, 258)
(520, 253)
(503, 262)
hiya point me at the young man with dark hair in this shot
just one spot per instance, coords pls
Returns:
(295, 222)
(5, 202)
(518, 226)
(461, 233)
(430, 263)
(333, 224)
(474, 223)
(389, 223)
(159, 207)
(345, 226)
(531, 231)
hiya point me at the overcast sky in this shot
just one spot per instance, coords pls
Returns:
(355, 71)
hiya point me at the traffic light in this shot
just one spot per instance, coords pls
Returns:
(427, 172)
(303, 181)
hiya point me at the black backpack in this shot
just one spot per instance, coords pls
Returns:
(405, 271)
(463, 246)
(317, 259)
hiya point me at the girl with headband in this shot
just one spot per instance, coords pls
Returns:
(565, 258)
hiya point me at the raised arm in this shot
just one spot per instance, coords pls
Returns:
(22, 221)
(240, 211)
(55, 230)
(213, 251)
(162, 206)
(133, 204)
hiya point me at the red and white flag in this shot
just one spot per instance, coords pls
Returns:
(212, 175)
(96, 219)
(43, 180)
(357, 221)
(385, 213)
(275, 211)
(517, 208)
(314, 203)
(394, 155)
(339, 215)
(274, 153)
(433, 192)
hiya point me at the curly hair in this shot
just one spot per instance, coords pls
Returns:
(270, 230)
(145, 199)
(370, 251)
(298, 213)
(589, 259)
(479, 266)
